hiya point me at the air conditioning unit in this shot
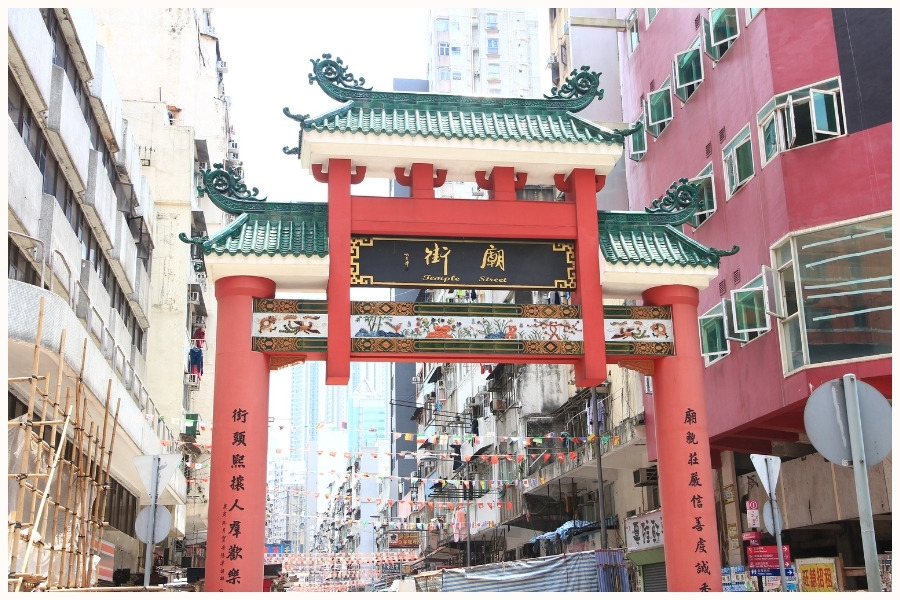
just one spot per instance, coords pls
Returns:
(645, 476)
(551, 59)
(209, 30)
(417, 379)
(221, 66)
(429, 398)
(648, 384)
(192, 380)
(498, 405)
(204, 166)
(194, 297)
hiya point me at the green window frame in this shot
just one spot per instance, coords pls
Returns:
(713, 343)
(707, 196)
(638, 141)
(631, 31)
(801, 117)
(688, 68)
(749, 304)
(737, 158)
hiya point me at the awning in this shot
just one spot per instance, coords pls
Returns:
(434, 375)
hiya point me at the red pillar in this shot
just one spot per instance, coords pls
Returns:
(237, 480)
(686, 485)
(583, 185)
(337, 367)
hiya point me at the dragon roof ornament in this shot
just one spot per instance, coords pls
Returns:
(334, 77)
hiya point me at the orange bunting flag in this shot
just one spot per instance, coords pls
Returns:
(546, 457)
(430, 504)
(520, 458)
(561, 456)
(494, 459)
(467, 457)
(573, 455)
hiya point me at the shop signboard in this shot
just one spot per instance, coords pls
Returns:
(818, 574)
(403, 539)
(643, 532)
(766, 557)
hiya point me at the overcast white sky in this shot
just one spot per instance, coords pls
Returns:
(268, 53)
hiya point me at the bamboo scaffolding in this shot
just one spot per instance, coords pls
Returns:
(61, 532)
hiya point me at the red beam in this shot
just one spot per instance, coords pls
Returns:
(461, 218)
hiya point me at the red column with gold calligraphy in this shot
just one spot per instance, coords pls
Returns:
(686, 485)
(237, 482)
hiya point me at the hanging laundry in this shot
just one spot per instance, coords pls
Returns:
(195, 361)
(199, 337)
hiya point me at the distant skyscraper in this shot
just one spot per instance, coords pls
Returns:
(484, 51)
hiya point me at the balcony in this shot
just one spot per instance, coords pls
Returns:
(30, 49)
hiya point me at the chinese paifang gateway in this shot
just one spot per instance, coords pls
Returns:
(499, 143)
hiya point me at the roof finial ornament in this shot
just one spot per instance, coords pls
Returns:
(680, 196)
(335, 79)
(579, 83)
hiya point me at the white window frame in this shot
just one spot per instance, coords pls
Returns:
(495, 50)
(657, 127)
(755, 287)
(733, 180)
(772, 293)
(728, 321)
(779, 113)
(632, 36)
(650, 15)
(682, 85)
(712, 30)
(706, 174)
(638, 155)
(751, 15)
(715, 313)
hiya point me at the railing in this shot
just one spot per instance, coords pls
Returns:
(37, 241)
(113, 352)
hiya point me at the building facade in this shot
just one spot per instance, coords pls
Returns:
(786, 129)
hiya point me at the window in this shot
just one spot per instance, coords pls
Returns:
(493, 71)
(454, 25)
(444, 73)
(492, 24)
(737, 157)
(720, 31)
(749, 304)
(443, 49)
(493, 46)
(631, 31)
(442, 24)
(801, 117)
(752, 12)
(706, 194)
(457, 75)
(659, 109)
(563, 54)
(713, 342)
(455, 51)
(688, 71)
(651, 14)
(834, 288)
(638, 141)
(19, 267)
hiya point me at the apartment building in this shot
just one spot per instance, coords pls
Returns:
(150, 133)
(782, 117)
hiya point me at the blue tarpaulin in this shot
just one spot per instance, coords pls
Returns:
(576, 572)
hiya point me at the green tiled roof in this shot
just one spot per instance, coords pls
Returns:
(652, 244)
(273, 234)
(461, 124)
(548, 119)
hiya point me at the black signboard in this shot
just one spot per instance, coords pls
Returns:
(453, 263)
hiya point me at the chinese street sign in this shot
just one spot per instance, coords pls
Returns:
(643, 532)
(766, 557)
(453, 263)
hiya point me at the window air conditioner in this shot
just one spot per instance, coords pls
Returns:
(221, 66)
(204, 166)
(645, 476)
(498, 405)
(416, 379)
(194, 297)
(192, 380)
